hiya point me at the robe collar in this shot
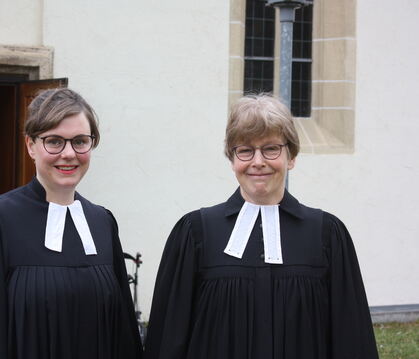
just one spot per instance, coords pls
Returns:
(288, 204)
(56, 216)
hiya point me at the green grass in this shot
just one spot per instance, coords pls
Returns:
(397, 340)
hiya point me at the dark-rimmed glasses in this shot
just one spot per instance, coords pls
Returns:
(55, 144)
(269, 152)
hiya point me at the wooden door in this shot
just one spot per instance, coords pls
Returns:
(8, 130)
(17, 167)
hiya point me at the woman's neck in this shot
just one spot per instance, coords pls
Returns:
(63, 196)
(268, 200)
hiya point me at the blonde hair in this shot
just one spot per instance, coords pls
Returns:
(256, 116)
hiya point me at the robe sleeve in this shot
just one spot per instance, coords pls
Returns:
(171, 312)
(3, 301)
(352, 335)
(131, 346)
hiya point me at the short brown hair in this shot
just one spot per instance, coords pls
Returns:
(255, 116)
(50, 107)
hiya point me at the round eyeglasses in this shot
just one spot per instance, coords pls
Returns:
(269, 152)
(55, 144)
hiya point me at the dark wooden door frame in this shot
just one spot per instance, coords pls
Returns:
(21, 164)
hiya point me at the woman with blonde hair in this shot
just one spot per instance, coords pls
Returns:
(260, 276)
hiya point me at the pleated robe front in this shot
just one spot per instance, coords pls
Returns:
(209, 305)
(62, 305)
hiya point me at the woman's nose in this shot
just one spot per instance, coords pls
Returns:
(258, 158)
(68, 150)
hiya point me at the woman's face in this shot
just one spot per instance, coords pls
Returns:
(62, 171)
(262, 181)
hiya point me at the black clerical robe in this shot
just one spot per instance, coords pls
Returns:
(62, 305)
(209, 305)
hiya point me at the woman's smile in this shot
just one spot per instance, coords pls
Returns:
(61, 172)
(67, 169)
(260, 175)
(262, 181)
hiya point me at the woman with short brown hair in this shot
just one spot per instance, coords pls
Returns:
(63, 285)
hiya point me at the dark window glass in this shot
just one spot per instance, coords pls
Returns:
(301, 89)
(258, 76)
(259, 47)
(302, 32)
(301, 62)
(259, 54)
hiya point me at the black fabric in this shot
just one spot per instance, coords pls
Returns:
(62, 305)
(209, 305)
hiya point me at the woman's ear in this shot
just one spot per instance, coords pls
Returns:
(29, 146)
(291, 164)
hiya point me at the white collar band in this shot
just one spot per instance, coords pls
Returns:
(270, 229)
(56, 223)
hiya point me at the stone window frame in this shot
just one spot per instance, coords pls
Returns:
(34, 61)
(331, 127)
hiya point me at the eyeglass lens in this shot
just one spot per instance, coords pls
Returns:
(270, 152)
(55, 144)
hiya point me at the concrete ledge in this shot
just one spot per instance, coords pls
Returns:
(395, 313)
(36, 61)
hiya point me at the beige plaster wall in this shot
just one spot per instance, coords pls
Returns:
(157, 75)
(374, 189)
(21, 22)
